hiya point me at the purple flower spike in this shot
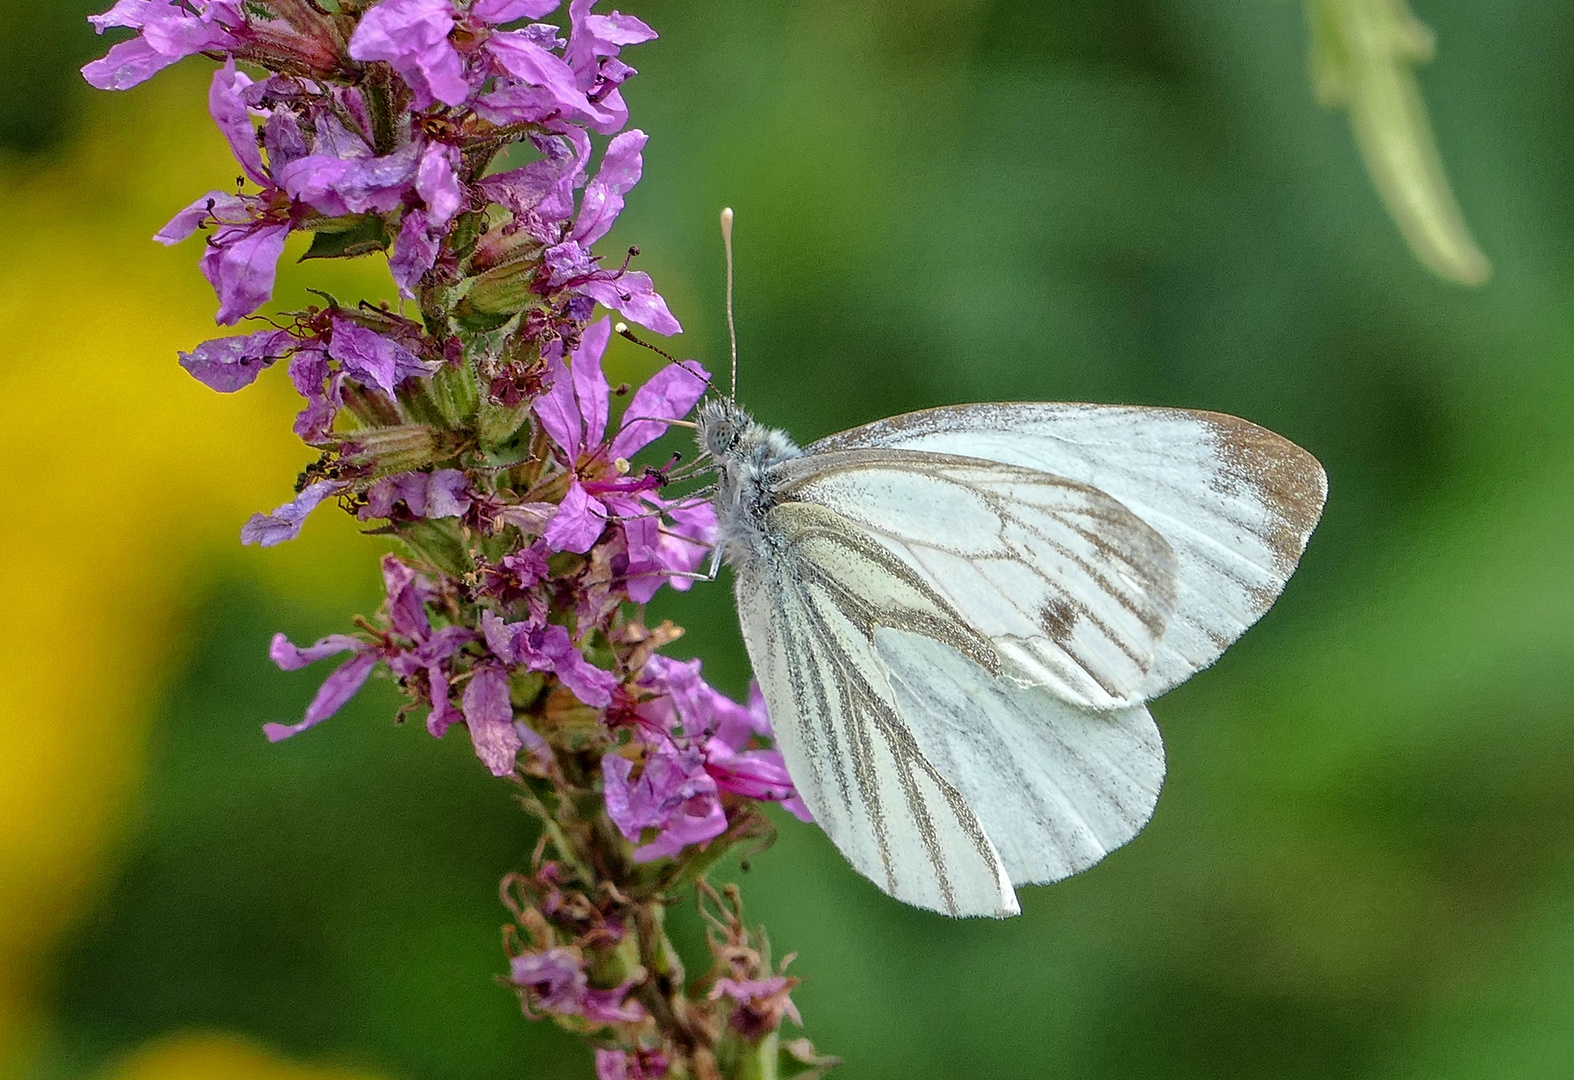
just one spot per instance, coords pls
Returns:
(285, 523)
(227, 364)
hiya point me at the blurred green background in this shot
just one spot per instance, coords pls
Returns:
(1362, 864)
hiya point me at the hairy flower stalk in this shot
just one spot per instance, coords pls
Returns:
(474, 427)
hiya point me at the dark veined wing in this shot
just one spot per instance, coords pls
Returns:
(1235, 502)
(1053, 582)
(941, 781)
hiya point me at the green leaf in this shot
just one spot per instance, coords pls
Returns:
(359, 235)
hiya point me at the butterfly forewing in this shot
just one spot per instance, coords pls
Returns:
(1069, 589)
(1235, 502)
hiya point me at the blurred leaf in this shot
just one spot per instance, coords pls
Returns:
(1363, 55)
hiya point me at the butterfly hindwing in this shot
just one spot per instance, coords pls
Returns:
(835, 719)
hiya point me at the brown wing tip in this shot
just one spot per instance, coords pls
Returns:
(1290, 482)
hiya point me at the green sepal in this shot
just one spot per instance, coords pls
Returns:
(384, 451)
(496, 297)
(439, 544)
(347, 237)
(455, 392)
(503, 433)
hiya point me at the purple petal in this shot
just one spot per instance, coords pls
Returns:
(331, 138)
(412, 35)
(527, 61)
(406, 600)
(634, 297)
(444, 643)
(309, 371)
(447, 494)
(590, 385)
(578, 522)
(556, 409)
(668, 395)
(372, 359)
(437, 182)
(414, 252)
(443, 714)
(506, 11)
(229, 112)
(285, 523)
(612, 1006)
(191, 218)
(125, 65)
(554, 975)
(696, 821)
(590, 684)
(240, 263)
(603, 202)
(499, 637)
(754, 774)
(618, 29)
(337, 186)
(283, 138)
(569, 261)
(168, 33)
(544, 188)
(337, 689)
(593, 36)
(227, 364)
(132, 13)
(490, 718)
(291, 657)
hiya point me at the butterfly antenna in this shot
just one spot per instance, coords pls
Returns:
(732, 326)
(622, 330)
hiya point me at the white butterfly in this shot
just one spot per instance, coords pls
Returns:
(956, 616)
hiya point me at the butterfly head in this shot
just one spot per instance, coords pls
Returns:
(731, 436)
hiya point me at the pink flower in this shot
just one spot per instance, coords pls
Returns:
(695, 749)
(230, 363)
(167, 31)
(412, 648)
(664, 540)
(554, 980)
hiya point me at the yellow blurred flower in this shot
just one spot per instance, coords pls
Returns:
(125, 485)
